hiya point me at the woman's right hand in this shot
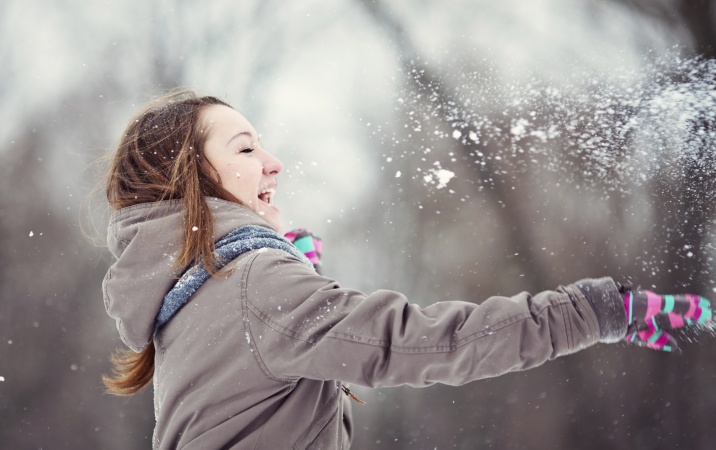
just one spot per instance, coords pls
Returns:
(309, 244)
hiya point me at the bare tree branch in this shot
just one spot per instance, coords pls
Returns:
(423, 80)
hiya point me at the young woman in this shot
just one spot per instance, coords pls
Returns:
(249, 346)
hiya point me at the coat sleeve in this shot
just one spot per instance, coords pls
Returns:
(303, 325)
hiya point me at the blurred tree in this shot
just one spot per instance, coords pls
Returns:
(52, 390)
(696, 18)
(683, 202)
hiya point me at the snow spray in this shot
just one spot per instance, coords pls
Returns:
(614, 132)
(608, 135)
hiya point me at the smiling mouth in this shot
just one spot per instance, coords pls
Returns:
(266, 195)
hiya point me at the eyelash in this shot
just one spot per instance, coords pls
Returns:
(247, 150)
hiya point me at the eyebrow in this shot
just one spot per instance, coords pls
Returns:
(237, 135)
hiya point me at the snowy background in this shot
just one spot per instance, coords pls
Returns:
(446, 149)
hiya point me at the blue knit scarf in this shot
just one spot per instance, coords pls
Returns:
(241, 240)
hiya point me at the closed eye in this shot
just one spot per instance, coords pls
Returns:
(247, 150)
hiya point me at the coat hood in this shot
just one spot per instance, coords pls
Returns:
(145, 239)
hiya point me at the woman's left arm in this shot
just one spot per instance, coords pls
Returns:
(307, 326)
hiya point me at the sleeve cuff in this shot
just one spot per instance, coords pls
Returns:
(608, 305)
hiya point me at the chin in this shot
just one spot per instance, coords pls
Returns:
(277, 225)
(274, 221)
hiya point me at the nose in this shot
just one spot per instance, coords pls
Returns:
(272, 165)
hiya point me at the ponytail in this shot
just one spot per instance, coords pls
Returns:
(132, 371)
(159, 157)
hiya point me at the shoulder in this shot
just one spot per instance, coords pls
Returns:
(272, 262)
(273, 275)
(277, 269)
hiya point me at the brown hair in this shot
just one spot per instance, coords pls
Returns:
(159, 157)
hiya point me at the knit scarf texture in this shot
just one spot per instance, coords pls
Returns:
(241, 240)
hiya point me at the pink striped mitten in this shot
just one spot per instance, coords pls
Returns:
(650, 316)
(309, 244)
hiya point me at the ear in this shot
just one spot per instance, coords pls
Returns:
(207, 169)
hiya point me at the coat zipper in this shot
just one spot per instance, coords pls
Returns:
(351, 395)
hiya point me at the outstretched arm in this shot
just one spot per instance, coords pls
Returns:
(305, 325)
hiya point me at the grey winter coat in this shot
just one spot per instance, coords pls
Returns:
(256, 360)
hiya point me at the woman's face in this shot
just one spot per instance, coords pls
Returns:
(246, 170)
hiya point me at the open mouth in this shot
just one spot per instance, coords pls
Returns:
(266, 195)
